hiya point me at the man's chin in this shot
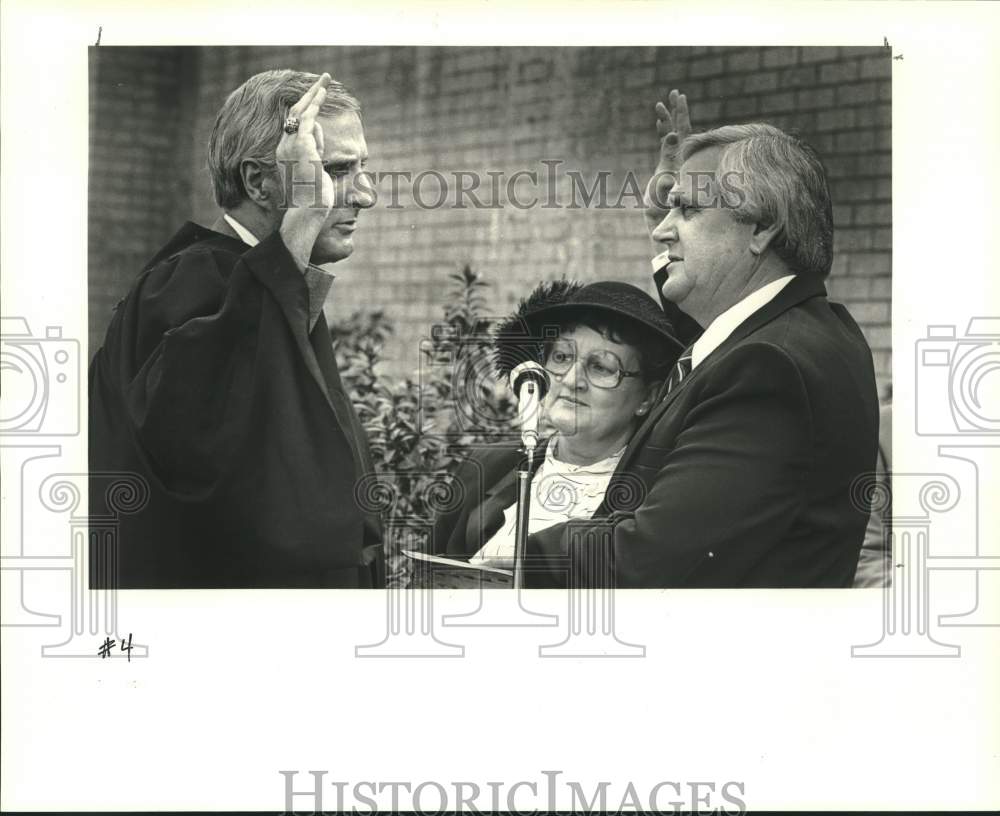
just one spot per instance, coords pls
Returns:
(675, 290)
(670, 293)
(330, 252)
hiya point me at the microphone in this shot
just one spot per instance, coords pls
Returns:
(530, 383)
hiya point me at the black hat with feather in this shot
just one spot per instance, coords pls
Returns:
(552, 305)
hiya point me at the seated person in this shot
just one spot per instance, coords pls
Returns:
(608, 349)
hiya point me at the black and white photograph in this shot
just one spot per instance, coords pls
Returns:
(614, 371)
(720, 215)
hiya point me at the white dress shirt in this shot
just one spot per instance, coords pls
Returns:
(318, 280)
(725, 324)
(559, 492)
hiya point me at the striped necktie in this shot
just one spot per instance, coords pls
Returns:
(680, 370)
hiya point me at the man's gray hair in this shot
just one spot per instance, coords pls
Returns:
(249, 125)
(775, 179)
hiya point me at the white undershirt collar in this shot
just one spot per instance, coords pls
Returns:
(245, 235)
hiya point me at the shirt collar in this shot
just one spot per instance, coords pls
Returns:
(245, 235)
(725, 324)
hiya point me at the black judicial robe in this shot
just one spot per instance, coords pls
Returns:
(213, 392)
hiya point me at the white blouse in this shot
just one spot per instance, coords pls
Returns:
(559, 492)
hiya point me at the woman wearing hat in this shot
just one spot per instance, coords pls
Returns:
(607, 347)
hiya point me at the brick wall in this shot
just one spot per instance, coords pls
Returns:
(504, 110)
(136, 143)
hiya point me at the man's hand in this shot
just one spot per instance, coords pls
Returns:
(312, 193)
(673, 126)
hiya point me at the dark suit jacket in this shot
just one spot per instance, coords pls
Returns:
(746, 467)
(212, 389)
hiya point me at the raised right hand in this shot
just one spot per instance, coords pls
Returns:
(673, 126)
(301, 155)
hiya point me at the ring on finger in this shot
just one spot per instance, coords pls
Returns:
(291, 125)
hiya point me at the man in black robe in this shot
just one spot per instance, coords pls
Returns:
(217, 384)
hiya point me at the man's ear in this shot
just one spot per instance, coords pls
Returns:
(258, 183)
(647, 404)
(763, 235)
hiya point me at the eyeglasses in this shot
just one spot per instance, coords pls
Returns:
(603, 369)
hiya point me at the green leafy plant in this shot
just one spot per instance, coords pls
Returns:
(419, 428)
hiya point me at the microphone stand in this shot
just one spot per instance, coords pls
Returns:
(523, 514)
(529, 439)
